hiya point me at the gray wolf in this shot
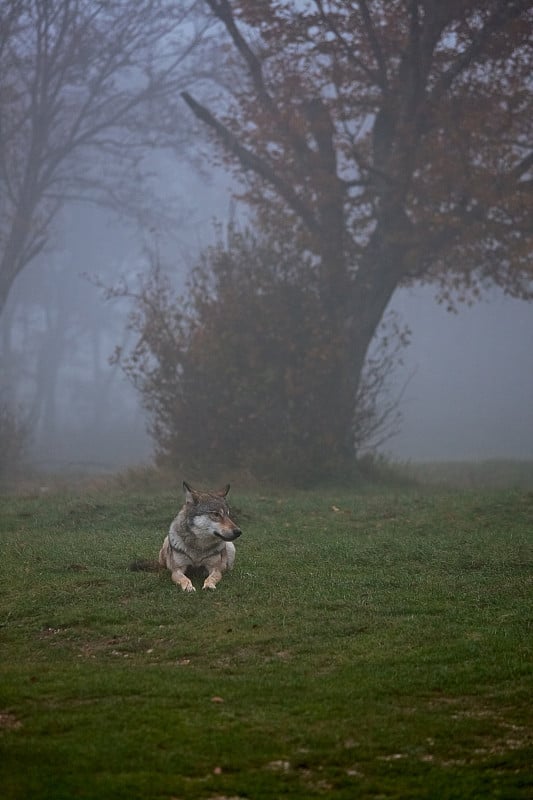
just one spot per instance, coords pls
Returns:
(200, 539)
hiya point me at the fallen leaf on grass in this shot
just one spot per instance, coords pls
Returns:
(392, 757)
(283, 766)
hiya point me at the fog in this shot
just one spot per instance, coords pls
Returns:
(91, 418)
(469, 391)
(107, 183)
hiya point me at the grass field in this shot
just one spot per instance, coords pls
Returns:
(367, 645)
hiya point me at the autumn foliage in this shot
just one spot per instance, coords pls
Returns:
(391, 140)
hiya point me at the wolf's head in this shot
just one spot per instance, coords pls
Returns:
(207, 513)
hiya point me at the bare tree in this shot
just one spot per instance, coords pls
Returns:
(84, 91)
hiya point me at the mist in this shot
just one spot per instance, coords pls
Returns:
(150, 191)
(469, 390)
(470, 396)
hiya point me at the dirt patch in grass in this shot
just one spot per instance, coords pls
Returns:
(9, 722)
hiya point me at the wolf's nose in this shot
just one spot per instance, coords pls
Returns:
(236, 533)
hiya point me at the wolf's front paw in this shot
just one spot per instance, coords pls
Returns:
(187, 586)
(209, 583)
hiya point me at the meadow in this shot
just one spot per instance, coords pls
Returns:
(370, 643)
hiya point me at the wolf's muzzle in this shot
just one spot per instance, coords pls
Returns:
(231, 535)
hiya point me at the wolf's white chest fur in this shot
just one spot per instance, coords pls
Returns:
(193, 548)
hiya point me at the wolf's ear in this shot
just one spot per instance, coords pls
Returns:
(190, 494)
(223, 492)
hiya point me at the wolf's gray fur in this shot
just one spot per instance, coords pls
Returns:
(200, 539)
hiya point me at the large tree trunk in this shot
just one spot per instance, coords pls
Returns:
(24, 240)
(360, 317)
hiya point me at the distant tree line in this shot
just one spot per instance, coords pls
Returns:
(85, 91)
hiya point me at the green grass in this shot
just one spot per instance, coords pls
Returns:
(370, 645)
(491, 474)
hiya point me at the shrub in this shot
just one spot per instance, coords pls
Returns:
(236, 373)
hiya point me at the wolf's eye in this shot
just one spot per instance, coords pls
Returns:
(216, 515)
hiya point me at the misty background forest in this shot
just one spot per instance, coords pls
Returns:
(264, 236)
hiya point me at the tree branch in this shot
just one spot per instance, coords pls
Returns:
(375, 45)
(250, 162)
(505, 11)
(375, 77)
(522, 167)
(222, 10)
